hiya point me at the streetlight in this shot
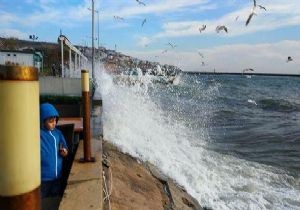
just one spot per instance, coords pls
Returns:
(93, 52)
(97, 27)
(93, 49)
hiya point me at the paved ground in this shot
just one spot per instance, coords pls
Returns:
(84, 189)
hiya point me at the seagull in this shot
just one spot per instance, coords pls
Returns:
(202, 28)
(249, 69)
(249, 18)
(172, 45)
(220, 28)
(118, 17)
(262, 7)
(140, 2)
(199, 53)
(165, 51)
(252, 13)
(144, 21)
(289, 59)
(237, 17)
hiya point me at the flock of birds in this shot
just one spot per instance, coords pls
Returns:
(118, 18)
(202, 28)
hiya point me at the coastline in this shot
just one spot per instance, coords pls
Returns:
(132, 184)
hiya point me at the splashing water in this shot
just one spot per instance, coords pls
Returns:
(136, 120)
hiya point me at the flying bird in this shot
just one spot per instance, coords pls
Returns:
(172, 45)
(140, 2)
(118, 18)
(165, 51)
(220, 28)
(251, 13)
(202, 28)
(202, 63)
(199, 53)
(289, 59)
(249, 18)
(262, 7)
(249, 69)
(237, 17)
(144, 21)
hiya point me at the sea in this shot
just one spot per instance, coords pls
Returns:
(232, 141)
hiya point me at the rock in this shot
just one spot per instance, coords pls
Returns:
(141, 186)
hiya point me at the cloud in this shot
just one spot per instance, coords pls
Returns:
(143, 41)
(47, 16)
(50, 11)
(8, 32)
(157, 7)
(119, 25)
(278, 15)
(7, 18)
(264, 58)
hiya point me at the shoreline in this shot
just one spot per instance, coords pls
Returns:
(241, 74)
(132, 184)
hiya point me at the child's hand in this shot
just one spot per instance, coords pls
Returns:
(63, 151)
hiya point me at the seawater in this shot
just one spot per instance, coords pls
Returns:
(233, 142)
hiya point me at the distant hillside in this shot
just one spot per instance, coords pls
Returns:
(115, 62)
(50, 51)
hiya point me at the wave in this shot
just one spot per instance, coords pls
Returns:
(279, 105)
(138, 125)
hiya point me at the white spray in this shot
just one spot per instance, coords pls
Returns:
(138, 126)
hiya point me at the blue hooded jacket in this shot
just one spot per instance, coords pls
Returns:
(51, 160)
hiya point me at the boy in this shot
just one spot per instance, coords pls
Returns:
(53, 149)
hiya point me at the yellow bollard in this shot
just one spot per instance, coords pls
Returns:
(20, 173)
(86, 117)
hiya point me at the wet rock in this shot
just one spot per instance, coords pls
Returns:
(137, 185)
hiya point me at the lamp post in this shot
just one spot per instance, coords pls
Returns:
(98, 28)
(98, 34)
(93, 49)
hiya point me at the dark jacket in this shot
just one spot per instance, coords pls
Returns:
(51, 160)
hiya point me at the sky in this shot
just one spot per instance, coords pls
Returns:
(263, 45)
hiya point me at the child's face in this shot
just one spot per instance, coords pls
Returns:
(50, 123)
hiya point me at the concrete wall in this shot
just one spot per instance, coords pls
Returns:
(60, 86)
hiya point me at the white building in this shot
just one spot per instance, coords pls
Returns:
(22, 58)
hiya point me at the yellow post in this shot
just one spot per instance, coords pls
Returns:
(19, 138)
(86, 117)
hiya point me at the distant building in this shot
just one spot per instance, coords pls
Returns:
(22, 58)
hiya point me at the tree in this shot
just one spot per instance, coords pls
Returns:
(10, 43)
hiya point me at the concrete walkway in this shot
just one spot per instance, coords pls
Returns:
(84, 188)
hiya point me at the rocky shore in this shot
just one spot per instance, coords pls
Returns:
(134, 185)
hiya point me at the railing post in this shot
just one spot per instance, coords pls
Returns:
(20, 172)
(86, 117)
